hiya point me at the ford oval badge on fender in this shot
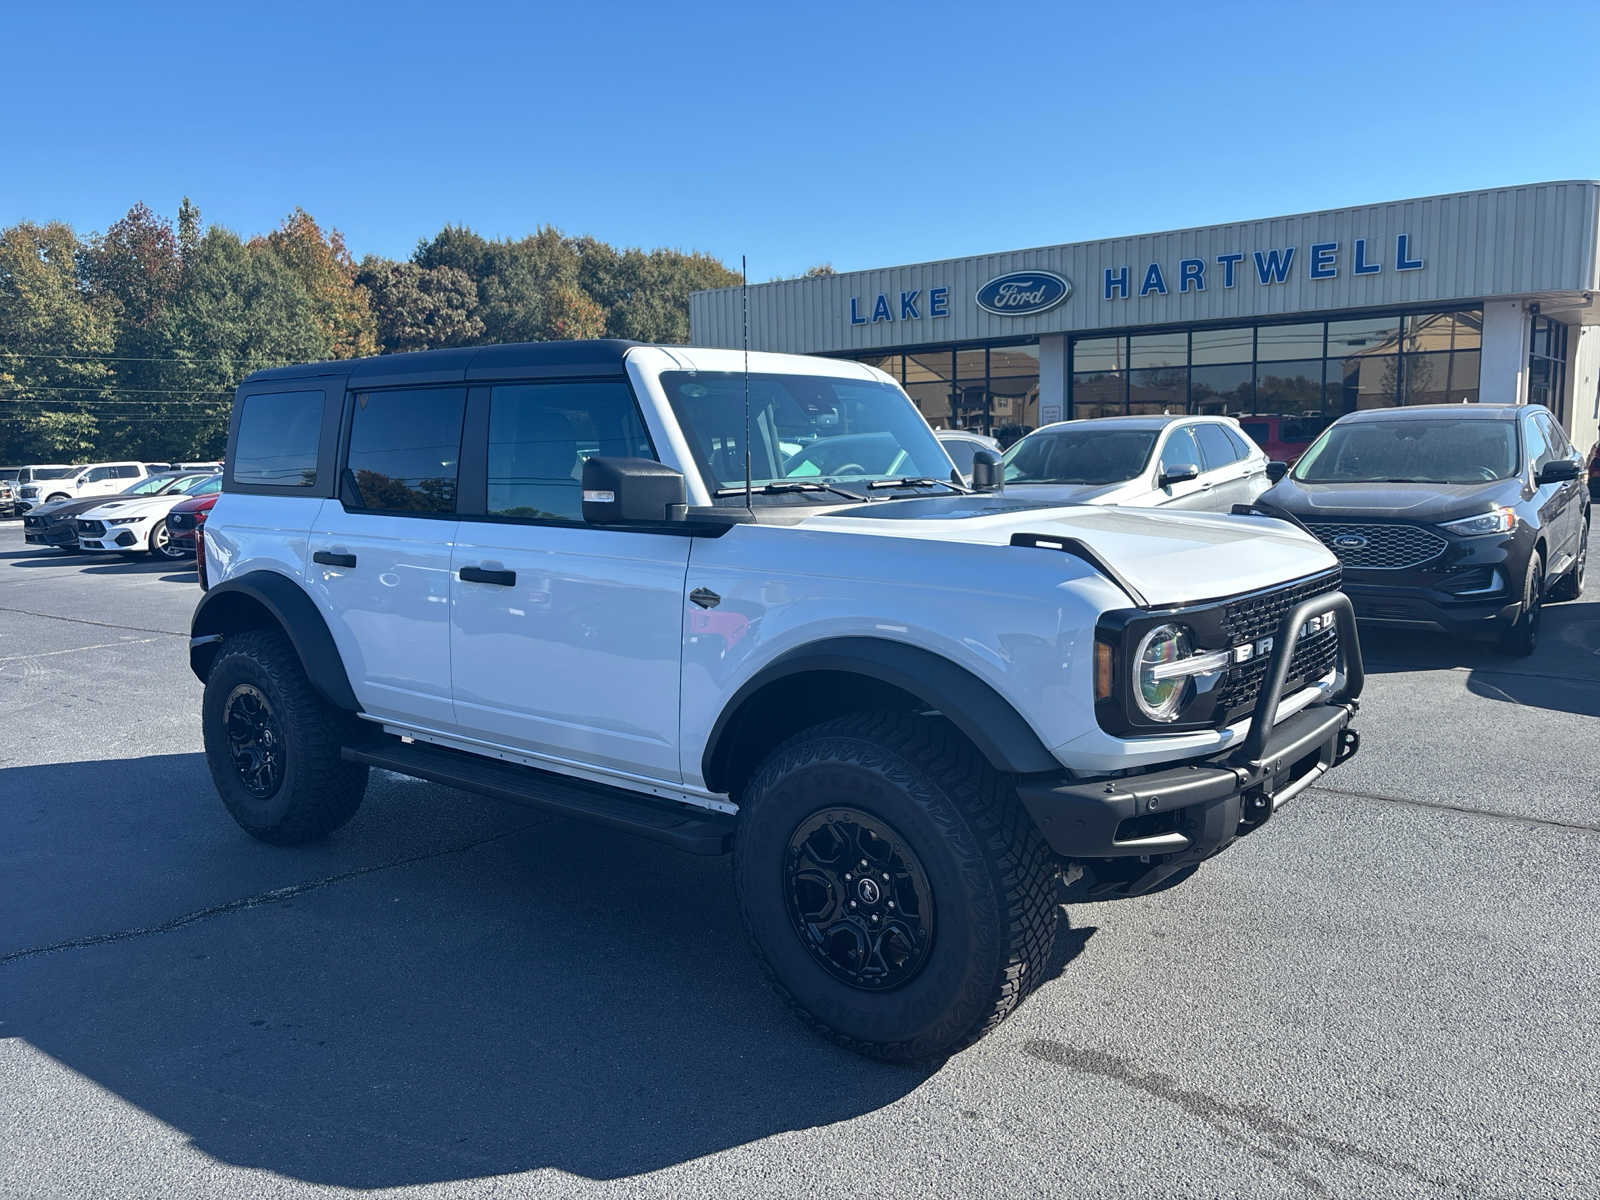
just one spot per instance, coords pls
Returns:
(1023, 293)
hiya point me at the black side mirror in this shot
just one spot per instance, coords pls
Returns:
(632, 491)
(1277, 470)
(987, 473)
(1180, 473)
(1559, 470)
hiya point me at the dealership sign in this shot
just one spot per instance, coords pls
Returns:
(1023, 293)
(1326, 260)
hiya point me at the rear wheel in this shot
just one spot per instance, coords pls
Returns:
(1522, 637)
(1570, 585)
(897, 895)
(273, 743)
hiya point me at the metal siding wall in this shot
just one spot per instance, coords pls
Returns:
(1502, 242)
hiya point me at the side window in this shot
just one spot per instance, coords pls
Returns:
(405, 451)
(961, 452)
(1215, 447)
(98, 474)
(127, 471)
(540, 434)
(277, 442)
(1534, 443)
(1554, 435)
(1241, 448)
(1180, 450)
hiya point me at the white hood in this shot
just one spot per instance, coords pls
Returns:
(134, 506)
(1170, 557)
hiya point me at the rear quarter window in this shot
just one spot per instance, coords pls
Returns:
(278, 438)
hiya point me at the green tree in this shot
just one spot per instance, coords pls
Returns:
(55, 339)
(645, 295)
(420, 308)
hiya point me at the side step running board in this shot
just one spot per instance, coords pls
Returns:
(696, 833)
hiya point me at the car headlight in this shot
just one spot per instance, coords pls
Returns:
(122, 520)
(1498, 519)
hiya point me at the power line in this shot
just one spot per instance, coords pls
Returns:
(30, 387)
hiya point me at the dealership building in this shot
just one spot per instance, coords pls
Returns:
(1487, 295)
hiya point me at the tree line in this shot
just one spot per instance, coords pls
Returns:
(129, 343)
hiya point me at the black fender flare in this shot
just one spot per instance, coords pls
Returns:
(239, 603)
(987, 719)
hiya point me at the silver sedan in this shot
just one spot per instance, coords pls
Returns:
(1191, 462)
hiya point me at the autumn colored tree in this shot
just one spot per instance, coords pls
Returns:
(325, 267)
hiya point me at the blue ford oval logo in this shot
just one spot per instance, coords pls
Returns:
(1023, 293)
(1350, 541)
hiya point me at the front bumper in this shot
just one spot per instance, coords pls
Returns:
(61, 534)
(1139, 829)
(1430, 608)
(112, 539)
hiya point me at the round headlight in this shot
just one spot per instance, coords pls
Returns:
(1161, 699)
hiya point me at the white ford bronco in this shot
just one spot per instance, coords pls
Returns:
(743, 603)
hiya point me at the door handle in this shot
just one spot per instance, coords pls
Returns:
(329, 559)
(484, 575)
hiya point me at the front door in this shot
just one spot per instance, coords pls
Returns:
(380, 554)
(566, 640)
(1179, 450)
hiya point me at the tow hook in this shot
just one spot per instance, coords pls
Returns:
(1349, 743)
(1256, 808)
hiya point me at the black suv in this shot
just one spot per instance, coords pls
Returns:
(1463, 518)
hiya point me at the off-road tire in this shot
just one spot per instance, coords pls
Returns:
(1570, 585)
(993, 881)
(1521, 637)
(318, 792)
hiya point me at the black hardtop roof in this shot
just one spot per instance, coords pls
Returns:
(1418, 412)
(516, 359)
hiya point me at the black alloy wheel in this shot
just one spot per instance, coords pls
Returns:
(1522, 638)
(255, 740)
(858, 899)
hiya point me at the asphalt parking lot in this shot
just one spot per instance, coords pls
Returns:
(1390, 990)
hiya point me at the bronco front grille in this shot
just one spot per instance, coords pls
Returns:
(91, 529)
(1251, 618)
(1380, 547)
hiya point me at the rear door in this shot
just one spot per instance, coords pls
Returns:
(566, 640)
(1225, 475)
(380, 551)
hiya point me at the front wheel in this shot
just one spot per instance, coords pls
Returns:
(57, 496)
(159, 544)
(897, 895)
(273, 744)
(1521, 638)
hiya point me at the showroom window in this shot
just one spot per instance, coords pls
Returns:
(989, 389)
(1310, 372)
(1547, 366)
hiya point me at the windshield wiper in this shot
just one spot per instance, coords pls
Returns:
(779, 489)
(918, 481)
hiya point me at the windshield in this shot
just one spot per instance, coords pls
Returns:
(205, 485)
(151, 486)
(1412, 451)
(54, 472)
(1080, 454)
(803, 429)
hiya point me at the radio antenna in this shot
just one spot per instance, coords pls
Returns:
(744, 303)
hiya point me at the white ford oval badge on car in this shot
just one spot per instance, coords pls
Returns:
(1023, 293)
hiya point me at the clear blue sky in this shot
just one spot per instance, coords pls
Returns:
(857, 134)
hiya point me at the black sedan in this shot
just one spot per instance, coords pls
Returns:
(56, 524)
(1462, 518)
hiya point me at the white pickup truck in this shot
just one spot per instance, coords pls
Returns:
(744, 604)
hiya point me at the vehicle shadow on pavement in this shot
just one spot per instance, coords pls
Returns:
(132, 566)
(498, 992)
(1562, 675)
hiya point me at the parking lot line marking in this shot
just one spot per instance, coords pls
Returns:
(275, 896)
(78, 649)
(1492, 813)
(28, 612)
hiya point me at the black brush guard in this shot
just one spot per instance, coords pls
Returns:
(1138, 831)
